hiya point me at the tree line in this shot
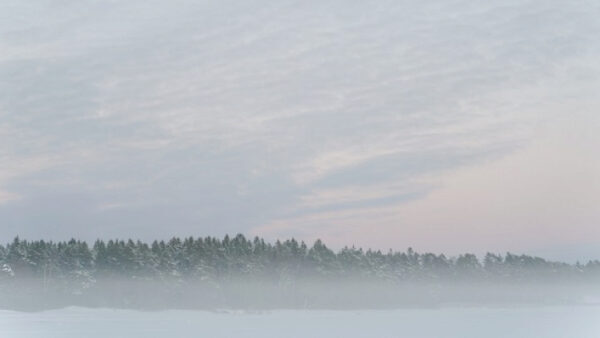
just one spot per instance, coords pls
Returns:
(214, 259)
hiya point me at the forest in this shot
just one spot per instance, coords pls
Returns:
(236, 271)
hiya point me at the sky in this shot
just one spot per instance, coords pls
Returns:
(447, 126)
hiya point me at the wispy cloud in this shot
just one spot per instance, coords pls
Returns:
(220, 117)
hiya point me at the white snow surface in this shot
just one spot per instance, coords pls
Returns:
(464, 322)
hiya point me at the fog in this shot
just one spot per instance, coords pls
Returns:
(339, 294)
(310, 307)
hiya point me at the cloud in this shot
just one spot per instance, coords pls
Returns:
(539, 199)
(6, 196)
(206, 118)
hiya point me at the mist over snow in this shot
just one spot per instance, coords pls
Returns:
(448, 126)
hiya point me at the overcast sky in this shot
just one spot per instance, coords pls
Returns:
(447, 126)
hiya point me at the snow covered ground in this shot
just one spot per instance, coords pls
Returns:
(576, 321)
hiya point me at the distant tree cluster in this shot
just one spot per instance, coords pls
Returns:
(214, 259)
